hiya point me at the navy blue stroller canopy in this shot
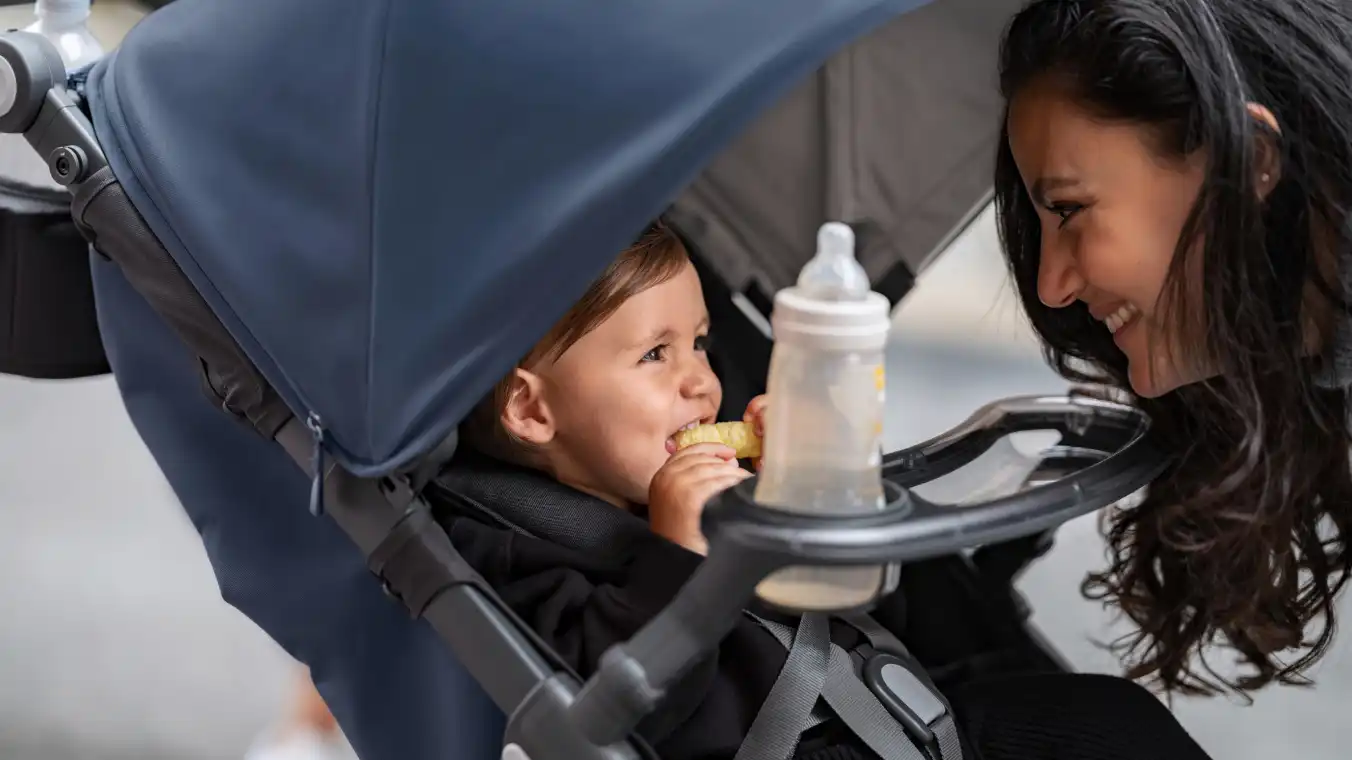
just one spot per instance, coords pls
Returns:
(386, 203)
(358, 214)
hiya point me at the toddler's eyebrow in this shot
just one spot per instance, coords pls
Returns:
(660, 335)
(666, 334)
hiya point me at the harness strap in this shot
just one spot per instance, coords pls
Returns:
(780, 723)
(878, 637)
(908, 721)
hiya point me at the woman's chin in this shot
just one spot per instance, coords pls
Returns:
(1145, 383)
(1152, 385)
(1145, 389)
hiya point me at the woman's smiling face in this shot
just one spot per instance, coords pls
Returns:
(1112, 213)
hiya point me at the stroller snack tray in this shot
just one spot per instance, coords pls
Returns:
(913, 528)
(747, 541)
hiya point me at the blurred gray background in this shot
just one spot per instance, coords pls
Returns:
(114, 642)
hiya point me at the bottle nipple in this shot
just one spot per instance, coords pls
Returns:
(834, 274)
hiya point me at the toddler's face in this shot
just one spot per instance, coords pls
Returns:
(619, 394)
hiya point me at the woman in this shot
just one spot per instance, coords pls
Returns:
(1173, 191)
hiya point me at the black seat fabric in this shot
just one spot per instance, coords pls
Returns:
(1069, 716)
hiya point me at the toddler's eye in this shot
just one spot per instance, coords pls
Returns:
(656, 354)
(702, 343)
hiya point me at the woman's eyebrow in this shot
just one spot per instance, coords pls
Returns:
(1044, 185)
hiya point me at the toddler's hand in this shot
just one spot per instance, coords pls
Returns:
(755, 416)
(681, 488)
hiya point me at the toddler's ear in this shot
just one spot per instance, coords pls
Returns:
(525, 415)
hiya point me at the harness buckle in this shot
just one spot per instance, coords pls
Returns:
(907, 695)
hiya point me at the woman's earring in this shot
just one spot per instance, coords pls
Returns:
(1265, 177)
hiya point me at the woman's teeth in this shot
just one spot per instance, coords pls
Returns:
(1118, 319)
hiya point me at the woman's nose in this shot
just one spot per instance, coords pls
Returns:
(1058, 277)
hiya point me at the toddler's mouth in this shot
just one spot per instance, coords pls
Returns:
(671, 439)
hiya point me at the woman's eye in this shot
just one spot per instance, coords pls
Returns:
(1065, 210)
(655, 354)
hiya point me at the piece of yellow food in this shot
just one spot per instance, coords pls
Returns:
(738, 435)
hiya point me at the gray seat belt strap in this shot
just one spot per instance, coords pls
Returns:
(855, 703)
(787, 711)
(879, 637)
(784, 635)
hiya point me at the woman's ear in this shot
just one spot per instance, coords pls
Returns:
(526, 414)
(1267, 153)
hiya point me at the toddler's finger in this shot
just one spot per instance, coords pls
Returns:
(755, 414)
(713, 486)
(719, 450)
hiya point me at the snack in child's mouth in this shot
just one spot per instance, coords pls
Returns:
(738, 435)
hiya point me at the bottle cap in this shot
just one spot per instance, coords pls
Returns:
(802, 319)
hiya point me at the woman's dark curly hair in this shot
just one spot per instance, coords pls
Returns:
(1244, 540)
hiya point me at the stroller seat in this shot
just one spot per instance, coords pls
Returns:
(1020, 715)
(584, 575)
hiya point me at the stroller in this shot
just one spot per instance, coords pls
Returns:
(346, 243)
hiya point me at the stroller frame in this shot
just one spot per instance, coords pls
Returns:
(413, 558)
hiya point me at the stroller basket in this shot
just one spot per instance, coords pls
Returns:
(381, 505)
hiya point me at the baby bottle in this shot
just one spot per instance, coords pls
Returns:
(66, 24)
(823, 428)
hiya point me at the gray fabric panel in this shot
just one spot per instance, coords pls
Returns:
(895, 134)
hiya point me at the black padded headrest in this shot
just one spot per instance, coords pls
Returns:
(531, 502)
